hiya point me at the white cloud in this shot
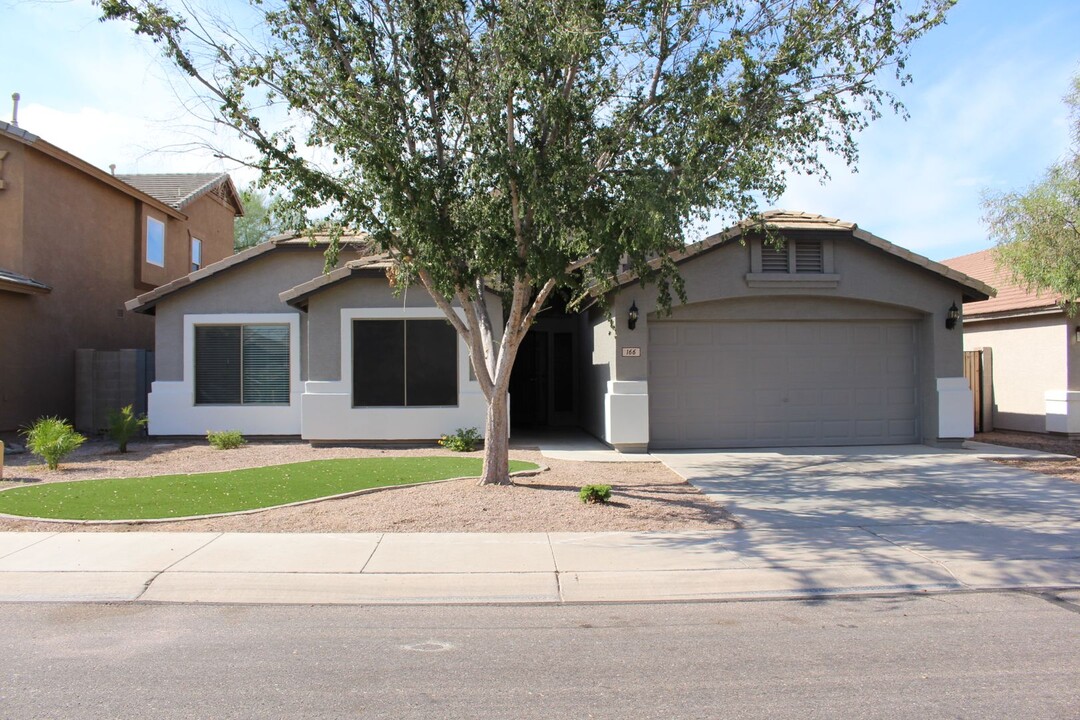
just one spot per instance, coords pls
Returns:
(986, 112)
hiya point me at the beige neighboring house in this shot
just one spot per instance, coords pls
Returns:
(1034, 353)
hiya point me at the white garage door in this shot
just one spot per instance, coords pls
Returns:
(765, 384)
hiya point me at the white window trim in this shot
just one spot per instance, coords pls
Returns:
(164, 228)
(465, 383)
(290, 319)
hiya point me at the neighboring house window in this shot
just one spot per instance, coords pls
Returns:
(404, 363)
(241, 364)
(799, 256)
(155, 242)
(196, 254)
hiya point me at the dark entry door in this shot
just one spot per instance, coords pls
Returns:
(543, 389)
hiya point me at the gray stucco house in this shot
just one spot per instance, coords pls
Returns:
(837, 338)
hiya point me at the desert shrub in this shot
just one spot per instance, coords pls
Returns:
(595, 493)
(52, 439)
(124, 424)
(461, 440)
(226, 439)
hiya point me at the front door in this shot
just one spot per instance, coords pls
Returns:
(543, 387)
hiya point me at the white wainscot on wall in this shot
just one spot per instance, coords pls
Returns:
(327, 410)
(171, 404)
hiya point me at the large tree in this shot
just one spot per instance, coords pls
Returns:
(533, 146)
(258, 223)
(1038, 231)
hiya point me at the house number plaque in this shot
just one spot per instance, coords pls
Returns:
(631, 352)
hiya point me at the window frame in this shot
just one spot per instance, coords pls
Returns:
(151, 221)
(350, 340)
(196, 243)
(292, 320)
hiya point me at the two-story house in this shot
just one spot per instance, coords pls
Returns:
(76, 242)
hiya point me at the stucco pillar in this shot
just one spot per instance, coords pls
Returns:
(626, 410)
(1062, 411)
(956, 409)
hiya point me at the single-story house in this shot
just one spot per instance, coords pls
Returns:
(1029, 346)
(837, 338)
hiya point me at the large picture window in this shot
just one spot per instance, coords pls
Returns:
(241, 364)
(404, 363)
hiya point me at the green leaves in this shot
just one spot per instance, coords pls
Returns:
(1038, 231)
(508, 140)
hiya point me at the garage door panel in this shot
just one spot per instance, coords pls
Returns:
(663, 334)
(731, 384)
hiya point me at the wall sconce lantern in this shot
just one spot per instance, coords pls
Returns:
(1078, 333)
(631, 318)
(952, 317)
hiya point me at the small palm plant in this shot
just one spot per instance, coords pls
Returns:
(52, 439)
(124, 424)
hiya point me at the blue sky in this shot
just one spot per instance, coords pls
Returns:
(985, 113)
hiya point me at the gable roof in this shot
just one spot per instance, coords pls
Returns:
(146, 302)
(181, 189)
(31, 140)
(297, 296)
(17, 282)
(974, 289)
(1012, 296)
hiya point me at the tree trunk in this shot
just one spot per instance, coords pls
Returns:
(497, 441)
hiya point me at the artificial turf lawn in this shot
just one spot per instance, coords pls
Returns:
(172, 496)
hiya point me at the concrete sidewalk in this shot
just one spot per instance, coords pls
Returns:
(376, 568)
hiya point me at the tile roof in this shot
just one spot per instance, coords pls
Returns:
(146, 302)
(1012, 297)
(17, 282)
(974, 288)
(175, 189)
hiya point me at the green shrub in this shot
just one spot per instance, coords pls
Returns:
(462, 440)
(595, 493)
(52, 439)
(226, 439)
(124, 424)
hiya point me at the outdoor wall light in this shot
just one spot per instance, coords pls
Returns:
(631, 318)
(952, 317)
(1078, 333)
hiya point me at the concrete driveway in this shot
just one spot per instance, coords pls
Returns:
(987, 524)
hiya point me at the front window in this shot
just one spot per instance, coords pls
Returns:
(404, 363)
(196, 254)
(155, 242)
(241, 364)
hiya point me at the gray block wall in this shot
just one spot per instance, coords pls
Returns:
(107, 380)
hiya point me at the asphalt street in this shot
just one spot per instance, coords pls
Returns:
(957, 655)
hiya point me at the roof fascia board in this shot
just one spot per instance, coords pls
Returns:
(23, 288)
(1014, 314)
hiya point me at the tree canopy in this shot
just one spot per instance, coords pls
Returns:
(1038, 230)
(258, 223)
(536, 146)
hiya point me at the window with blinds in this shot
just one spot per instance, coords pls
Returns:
(241, 364)
(404, 363)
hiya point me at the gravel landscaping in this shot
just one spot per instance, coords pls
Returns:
(646, 496)
(1065, 469)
